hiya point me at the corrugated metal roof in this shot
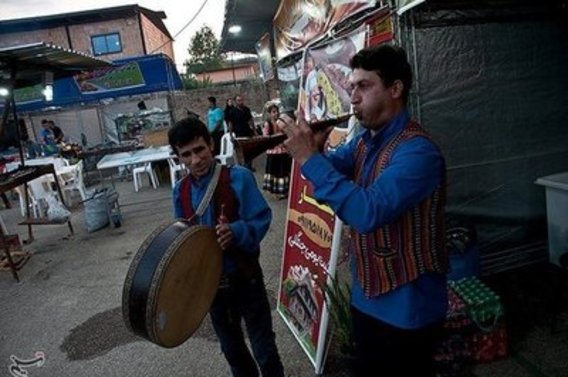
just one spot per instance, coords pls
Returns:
(31, 60)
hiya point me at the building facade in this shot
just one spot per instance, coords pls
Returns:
(109, 33)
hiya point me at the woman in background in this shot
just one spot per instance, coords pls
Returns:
(278, 161)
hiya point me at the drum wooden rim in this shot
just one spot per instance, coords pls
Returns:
(155, 306)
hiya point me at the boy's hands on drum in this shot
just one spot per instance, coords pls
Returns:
(224, 235)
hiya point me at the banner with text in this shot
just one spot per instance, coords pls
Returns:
(306, 262)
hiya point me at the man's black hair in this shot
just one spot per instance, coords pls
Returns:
(213, 100)
(187, 130)
(389, 62)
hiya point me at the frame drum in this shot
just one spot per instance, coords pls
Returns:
(172, 282)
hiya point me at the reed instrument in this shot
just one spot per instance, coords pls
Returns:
(248, 148)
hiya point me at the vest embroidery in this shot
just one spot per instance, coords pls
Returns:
(400, 252)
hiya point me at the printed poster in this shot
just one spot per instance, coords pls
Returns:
(110, 78)
(324, 90)
(289, 75)
(298, 23)
(307, 262)
(265, 57)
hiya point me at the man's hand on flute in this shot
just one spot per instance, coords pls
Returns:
(302, 141)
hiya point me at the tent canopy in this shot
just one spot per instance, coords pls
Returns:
(28, 62)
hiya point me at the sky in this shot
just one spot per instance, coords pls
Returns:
(178, 13)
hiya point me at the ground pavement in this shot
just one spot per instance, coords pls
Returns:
(68, 306)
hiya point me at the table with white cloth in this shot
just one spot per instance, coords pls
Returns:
(137, 157)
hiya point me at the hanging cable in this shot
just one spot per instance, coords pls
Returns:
(184, 27)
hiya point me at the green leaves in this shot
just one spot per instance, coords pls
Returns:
(338, 298)
(204, 52)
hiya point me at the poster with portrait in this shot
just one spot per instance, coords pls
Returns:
(324, 89)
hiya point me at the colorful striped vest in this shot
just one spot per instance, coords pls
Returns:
(400, 252)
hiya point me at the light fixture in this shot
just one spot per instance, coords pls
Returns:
(235, 29)
(48, 93)
(4, 92)
(48, 86)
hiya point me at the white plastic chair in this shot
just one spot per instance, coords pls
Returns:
(227, 149)
(174, 169)
(145, 169)
(34, 205)
(72, 179)
(39, 190)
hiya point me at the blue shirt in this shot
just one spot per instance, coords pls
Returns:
(214, 116)
(46, 136)
(415, 170)
(254, 213)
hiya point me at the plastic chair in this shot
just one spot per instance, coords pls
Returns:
(174, 169)
(39, 190)
(227, 149)
(145, 169)
(34, 205)
(73, 180)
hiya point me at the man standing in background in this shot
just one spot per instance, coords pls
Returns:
(242, 123)
(215, 123)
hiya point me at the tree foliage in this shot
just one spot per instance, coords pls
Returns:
(203, 51)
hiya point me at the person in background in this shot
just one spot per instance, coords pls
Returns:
(229, 107)
(242, 123)
(58, 135)
(47, 139)
(242, 120)
(278, 161)
(388, 184)
(215, 123)
(241, 217)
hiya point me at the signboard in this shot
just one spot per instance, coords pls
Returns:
(301, 22)
(307, 262)
(381, 28)
(109, 79)
(313, 233)
(128, 77)
(265, 57)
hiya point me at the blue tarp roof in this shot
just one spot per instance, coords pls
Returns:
(129, 76)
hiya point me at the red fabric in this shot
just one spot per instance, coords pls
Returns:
(223, 195)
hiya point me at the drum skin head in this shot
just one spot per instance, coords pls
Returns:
(185, 265)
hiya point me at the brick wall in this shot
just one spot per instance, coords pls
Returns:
(80, 35)
(128, 29)
(156, 41)
(56, 36)
(254, 93)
